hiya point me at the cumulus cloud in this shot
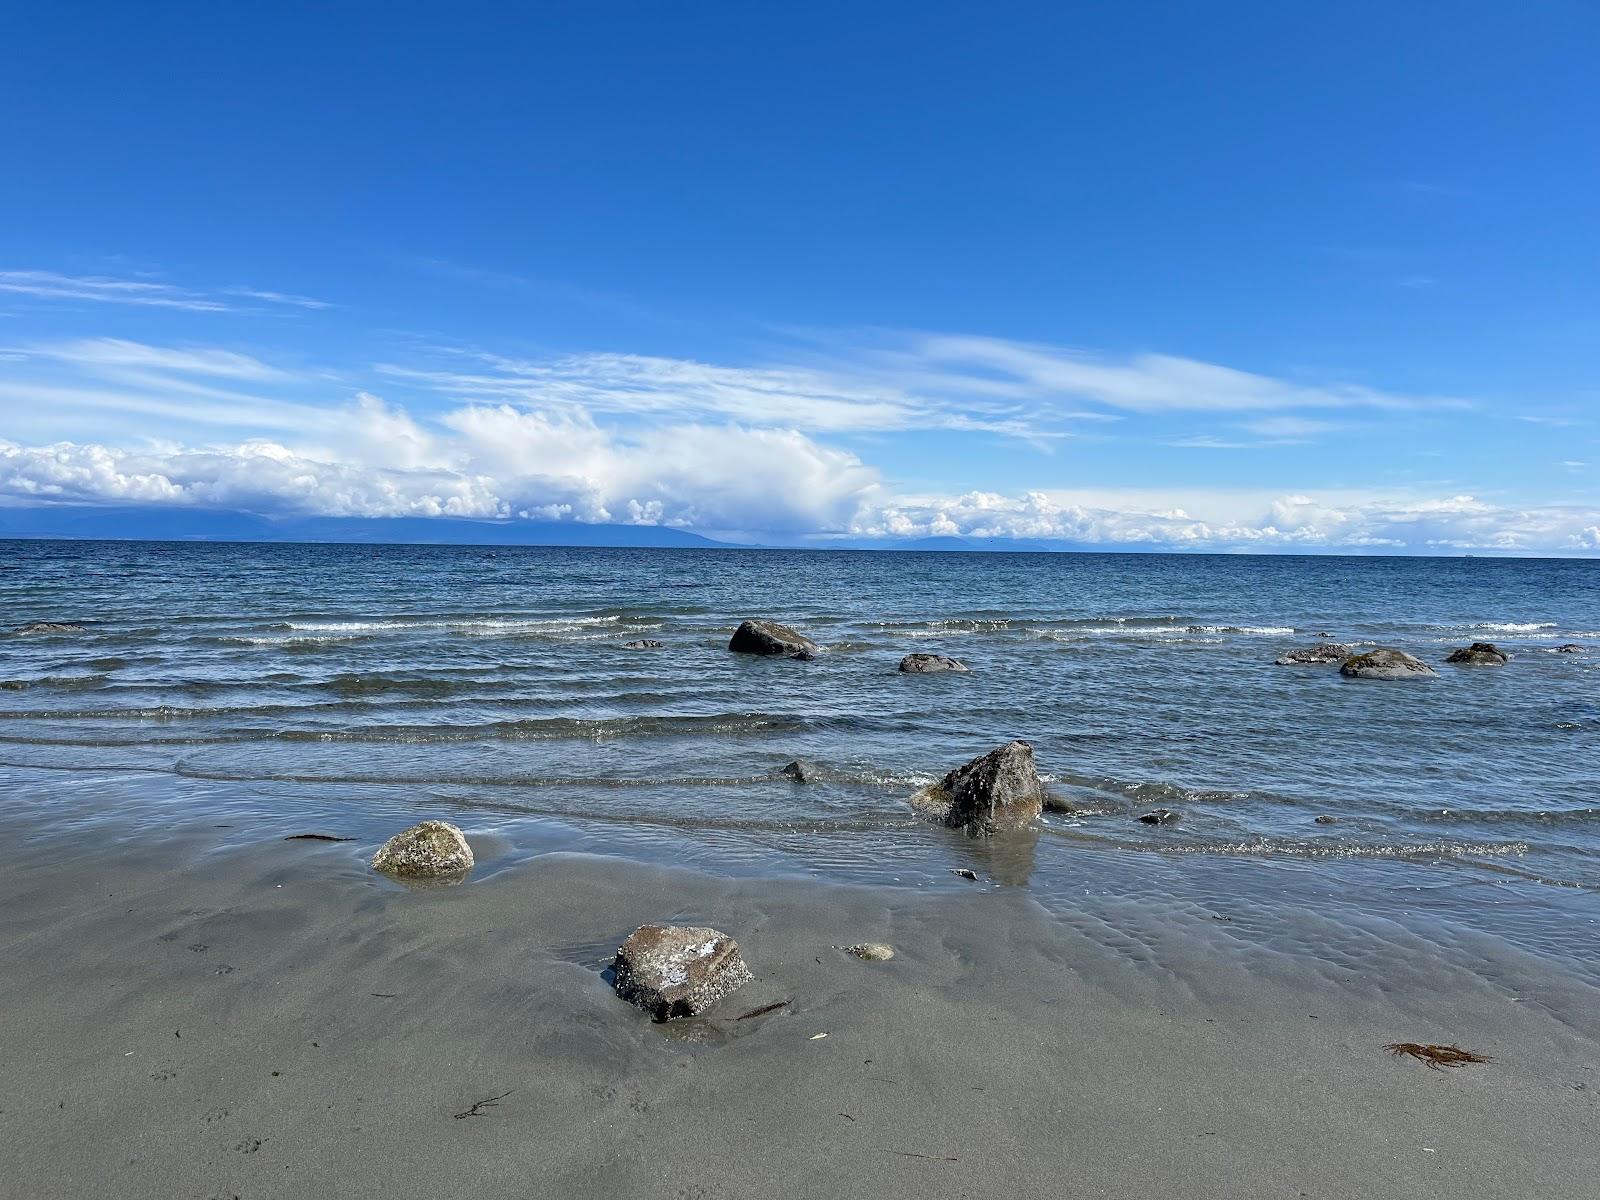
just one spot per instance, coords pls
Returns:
(735, 451)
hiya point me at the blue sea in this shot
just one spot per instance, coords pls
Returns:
(267, 689)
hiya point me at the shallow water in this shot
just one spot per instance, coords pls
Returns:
(357, 686)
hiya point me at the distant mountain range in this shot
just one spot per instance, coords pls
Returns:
(199, 525)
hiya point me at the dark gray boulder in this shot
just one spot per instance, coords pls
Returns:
(1326, 819)
(771, 639)
(1000, 790)
(1386, 663)
(1480, 654)
(1322, 654)
(643, 644)
(677, 970)
(49, 627)
(799, 770)
(1570, 648)
(1161, 816)
(927, 664)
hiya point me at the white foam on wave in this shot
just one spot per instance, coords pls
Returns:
(485, 625)
(1513, 626)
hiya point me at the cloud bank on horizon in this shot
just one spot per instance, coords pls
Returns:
(780, 451)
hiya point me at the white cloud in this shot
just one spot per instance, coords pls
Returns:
(103, 289)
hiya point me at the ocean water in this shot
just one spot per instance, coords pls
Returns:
(347, 688)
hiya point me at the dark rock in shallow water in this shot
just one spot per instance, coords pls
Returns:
(49, 627)
(1386, 664)
(927, 664)
(1570, 648)
(1161, 816)
(1055, 804)
(771, 639)
(643, 644)
(428, 850)
(996, 791)
(800, 771)
(1326, 819)
(1326, 653)
(1480, 654)
(678, 970)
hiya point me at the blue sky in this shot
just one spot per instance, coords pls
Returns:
(1244, 276)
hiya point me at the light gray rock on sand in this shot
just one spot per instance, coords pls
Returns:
(428, 850)
(871, 951)
(1324, 653)
(771, 639)
(49, 627)
(927, 664)
(1386, 664)
(996, 791)
(1480, 654)
(678, 970)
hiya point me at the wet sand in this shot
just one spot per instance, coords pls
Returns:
(183, 1019)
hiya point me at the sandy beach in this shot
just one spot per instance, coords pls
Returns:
(186, 1018)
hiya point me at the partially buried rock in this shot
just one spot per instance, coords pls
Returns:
(871, 951)
(428, 850)
(1161, 816)
(996, 791)
(1386, 664)
(1321, 654)
(643, 644)
(678, 970)
(1480, 654)
(49, 627)
(771, 639)
(927, 664)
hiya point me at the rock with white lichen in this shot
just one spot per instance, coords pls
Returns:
(428, 850)
(678, 970)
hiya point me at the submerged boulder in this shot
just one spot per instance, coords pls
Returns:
(428, 850)
(49, 627)
(799, 770)
(999, 790)
(677, 970)
(1386, 663)
(1570, 648)
(1480, 654)
(643, 644)
(771, 639)
(1320, 654)
(927, 664)
(1160, 816)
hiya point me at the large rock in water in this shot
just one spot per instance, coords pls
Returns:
(771, 639)
(49, 627)
(428, 850)
(678, 970)
(1480, 654)
(1570, 648)
(1386, 664)
(1320, 654)
(996, 791)
(927, 664)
